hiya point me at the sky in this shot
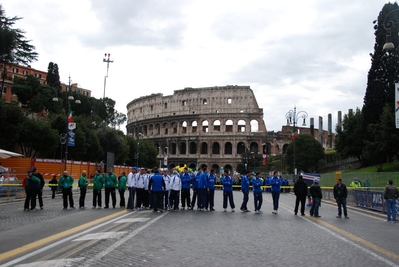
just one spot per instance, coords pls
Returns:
(310, 54)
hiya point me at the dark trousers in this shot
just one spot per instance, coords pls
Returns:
(210, 199)
(194, 198)
(108, 191)
(185, 198)
(244, 200)
(341, 202)
(122, 197)
(97, 197)
(130, 201)
(302, 200)
(202, 198)
(27, 199)
(174, 199)
(67, 194)
(82, 197)
(228, 195)
(33, 194)
(258, 200)
(53, 190)
(157, 199)
(165, 199)
(40, 197)
(276, 197)
(146, 198)
(140, 198)
(314, 210)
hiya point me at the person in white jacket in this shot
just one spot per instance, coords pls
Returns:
(166, 179)
(175, 187)
(131, 183)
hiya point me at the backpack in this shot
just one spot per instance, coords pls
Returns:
(25, 182)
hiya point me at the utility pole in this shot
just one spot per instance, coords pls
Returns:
(106, 59)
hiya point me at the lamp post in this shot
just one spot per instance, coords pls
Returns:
(136, 156)
(68, 138)
(292, 117)
(165, 157)
(390, 22)
(107, 60)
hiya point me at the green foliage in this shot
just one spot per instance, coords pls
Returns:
(11, 117)
(14, 48)
(309, 154)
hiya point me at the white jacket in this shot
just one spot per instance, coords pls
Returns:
(175, 182)
(131, 181)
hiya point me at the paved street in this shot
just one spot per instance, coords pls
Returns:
(54, 237)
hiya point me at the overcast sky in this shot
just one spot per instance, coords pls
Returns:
(310, 54)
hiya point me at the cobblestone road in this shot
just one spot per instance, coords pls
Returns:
(54, 237)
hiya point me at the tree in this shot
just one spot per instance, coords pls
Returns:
(349, 141)
(11, 117)
(309, 154)
(53, 76)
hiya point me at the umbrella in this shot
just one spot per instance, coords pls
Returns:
(4, 154)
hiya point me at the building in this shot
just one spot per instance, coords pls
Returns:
(210, 126)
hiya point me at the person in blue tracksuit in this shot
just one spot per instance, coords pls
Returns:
(202, 188)
(257, 183)
(210, 200)
(227, 183)
(275, 183)
(185, 188)
(157, 187)
(267, 183)
(194, 182)
(245, 190)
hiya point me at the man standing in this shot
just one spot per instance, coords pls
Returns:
(185, 188)
(315, 193)
(26, 185)
(202, 188)
(53, 186)
(245, 191)
(40, 191)
(300, 191)
(390, 195)
(121, 189)
(140, 183)
(210, 199)
(110, 183)
(66, 183)
(165, 198)
(194, 182)
(157, 187)
(340, 194)
(257, 189)
(275, 183)
(227, 183)
(175, 186)
(82, 183)
(98, 184)
(131, 183)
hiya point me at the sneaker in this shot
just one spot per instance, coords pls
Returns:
(317, 216)
(274, 212)
(99, 208)
(346, 217)
(73, 208)
(106, 207)
(160, 210)
(182, 208)
(394, 221)
(190, 208)
(232, 210)
(338, 217)
(65, 208)
(212, 209)
(41, 207)
(224, 210)
(247, 210)
(256, 212)
(303, 214)
(93, 207)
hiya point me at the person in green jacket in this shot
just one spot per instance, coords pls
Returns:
(122, 188)
(110, 183)
(66, 183)
(83, 188)
(98, 184)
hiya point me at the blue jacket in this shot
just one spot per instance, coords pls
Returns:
(202, 180)
(211, 181)
(257, 183)
(156, 183)
(275, 182)
(194, 181)
(227, 183)
(244, 183)
(185, 180)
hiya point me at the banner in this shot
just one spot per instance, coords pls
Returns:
(71, 138)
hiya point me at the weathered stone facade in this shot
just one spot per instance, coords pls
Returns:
(198, 127)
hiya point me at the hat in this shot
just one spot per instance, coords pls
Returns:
(135, 169)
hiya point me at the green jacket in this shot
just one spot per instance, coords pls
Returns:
(65, 182)
(122, 183)
(98, 182)
(82, 182)
(110, 181)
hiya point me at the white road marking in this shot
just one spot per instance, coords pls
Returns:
(101, 235)
(54, 263)
(132, 220)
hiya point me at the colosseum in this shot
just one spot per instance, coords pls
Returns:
(211, 126)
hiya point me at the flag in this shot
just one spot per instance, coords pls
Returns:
(69, 114)
(292, 136)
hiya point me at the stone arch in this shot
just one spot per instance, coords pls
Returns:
(194, 126)
(205, 126)
(165, 128)
(216, 125)
(157, 129)
(241, 126)
(254, 126)
(216, 168)
(173, 126)
(241, 148)
(228, 148)
(193, 148)
(229, 168)
(173, 148)
(216, 148)
(184, 125)
(192, 166)
(151, 129)
(145, 132)
(182, 147)
(285, 147)
(204, 148)
(228, 126)
(254, 147)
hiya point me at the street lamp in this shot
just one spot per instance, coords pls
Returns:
(292, 117)
(136, 156)
(107, 60)
(390, 21)
(68, 138)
